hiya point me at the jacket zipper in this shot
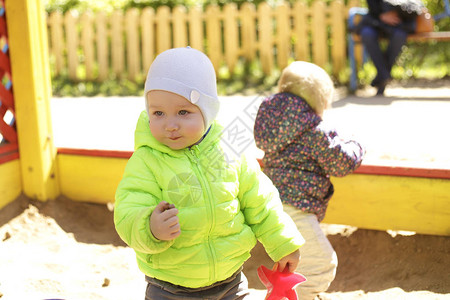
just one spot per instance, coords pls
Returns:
(210, 211)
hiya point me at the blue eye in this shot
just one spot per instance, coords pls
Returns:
(158, 113)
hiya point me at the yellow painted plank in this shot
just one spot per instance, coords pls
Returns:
(27, 33)
(10, 182)
(383, 202)
(90, 178)
(378, 202)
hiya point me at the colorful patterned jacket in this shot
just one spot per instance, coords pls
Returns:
(302, 152)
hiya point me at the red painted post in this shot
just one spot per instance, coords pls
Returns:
(8, 134)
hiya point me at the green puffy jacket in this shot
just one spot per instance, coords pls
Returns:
(225, 203)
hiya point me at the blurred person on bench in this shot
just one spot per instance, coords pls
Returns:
(393, 20)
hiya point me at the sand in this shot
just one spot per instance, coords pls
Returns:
(69, 250)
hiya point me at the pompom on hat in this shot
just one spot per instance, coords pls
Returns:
(189, 73)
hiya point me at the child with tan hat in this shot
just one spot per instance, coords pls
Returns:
(190, 209)
(301, 153)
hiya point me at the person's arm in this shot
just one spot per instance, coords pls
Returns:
(137, 196)
(263, 212)
(337, 156)
(383, 11)
(390, 17)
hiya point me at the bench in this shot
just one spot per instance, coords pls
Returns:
(357, 53)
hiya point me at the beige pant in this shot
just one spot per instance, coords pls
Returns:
(318, 260)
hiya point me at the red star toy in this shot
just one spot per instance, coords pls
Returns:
(280, 285)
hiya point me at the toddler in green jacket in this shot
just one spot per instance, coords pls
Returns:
(191, 209)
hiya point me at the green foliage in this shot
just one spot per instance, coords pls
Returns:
(109, 5)
(62, 86)
(429, 60)
(84, 5)
(417, 60)
(246, 78)
(157, 3)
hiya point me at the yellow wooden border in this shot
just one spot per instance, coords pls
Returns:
(391, 202)
(10, 182)
(378, 202)
(90, 178)
(27, 35)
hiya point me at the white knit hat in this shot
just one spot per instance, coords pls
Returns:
(188, 73)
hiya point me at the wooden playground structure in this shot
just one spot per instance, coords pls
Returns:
(375, 197)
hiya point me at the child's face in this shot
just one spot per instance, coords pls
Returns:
(174, 121)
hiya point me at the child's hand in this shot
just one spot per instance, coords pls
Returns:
(164, 222)
(290, 261)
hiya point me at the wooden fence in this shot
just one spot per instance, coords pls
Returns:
(90, 47)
